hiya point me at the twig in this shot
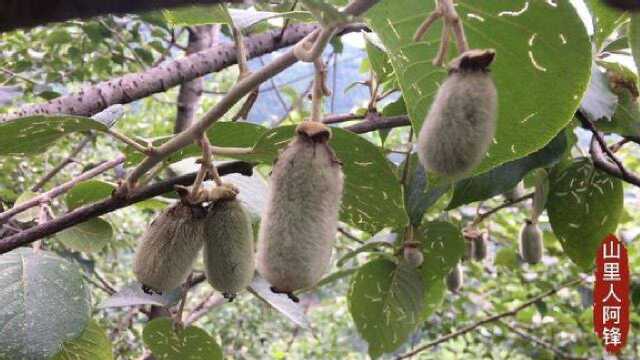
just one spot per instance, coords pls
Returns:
(382, 123)
(90, 211)
(426, 24)
(481, 217)
(444, 47)
(61, 189)
(453, 21)
(319, 90)
(183, 299)
(489, 319)
(349, 235)
(544, 344)
(146, 150)
(334, 119)
(68, 160)
(600, 161)
(203, 308)
(603, 144)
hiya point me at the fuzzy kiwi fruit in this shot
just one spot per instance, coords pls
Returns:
(461, 123)
(300, 221)
(228, 247)
(480, 247)
(169, 247)
(455, 279)
(530, 243)
(413, 255)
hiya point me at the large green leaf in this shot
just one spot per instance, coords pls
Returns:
(89, 236)
(386, 302)
(34, 134)
(372, 197)
(536, 42)
(442, 248)
(224, 134)
(605, 20)
(419, 194)
(190, 343)
(92, 344)
(584, 206)
(505, 177)
(44, 302)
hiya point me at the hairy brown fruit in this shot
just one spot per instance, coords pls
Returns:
(169, 246)
(469, 249)
(455, 279)
(480, 247)
(530, 243)
(632, 5)
(461, 123)
(413, 255)
(228, 248)
(300, 221)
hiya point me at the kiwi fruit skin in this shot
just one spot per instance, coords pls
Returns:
(461, 123)
(455, 279)
(300, 221)
(413, 256)
(228, 247)
(531, 244)
(469, 249)
(169, 247)
(480, 247)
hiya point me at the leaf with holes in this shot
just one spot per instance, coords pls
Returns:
(190, 343)
(386, 302)
(89, 236)
(506, 176)
(442, 248)
(584, 205)
(536, 43)
(372, 197)
(44, 303)
(92, 344)
(34, 134)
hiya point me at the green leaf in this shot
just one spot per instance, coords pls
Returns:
(376, 242)
(219, 14)
(280, 302)
(634, 38)
(324, 12)
(505, 177)
(507, 256)
(224, 134)
(88, 192)
(584, 206)
(132, 295)
(626, 119)
(433, 297)
(44, 303)
(419, 195)
(372, 197)
(605, 20)
(386, 302)
(34, 134)
(534, 48)
(190, 343)
(30, 214)
(378, 57)
(89, 236)
(442, 248)
(92, 344)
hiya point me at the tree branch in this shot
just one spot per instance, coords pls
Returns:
(87, 212)
(379, 124)
(27, 13)
(65, 162)
(544, 344)
(490, 319)
(61, 189)
(235, 94)
(135, 86)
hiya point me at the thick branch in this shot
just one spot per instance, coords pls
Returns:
(379, 124)
(489, 319)
(27, 13)
(87, 212)
(132, 87)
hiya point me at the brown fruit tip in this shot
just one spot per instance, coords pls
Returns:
(316, 131)
(474, 60)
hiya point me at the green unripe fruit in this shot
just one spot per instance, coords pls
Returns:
(530, 243)
(461, 123)
(413, 255)
(228, 247)
(300, 221)
(169, 247)
(455, 279)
